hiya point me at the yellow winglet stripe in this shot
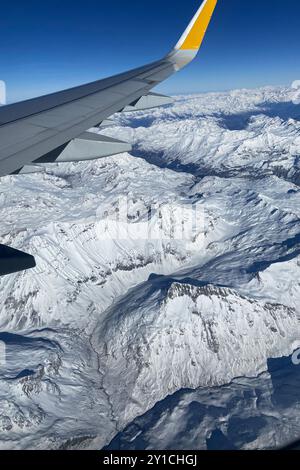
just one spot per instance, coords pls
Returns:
(198, 29)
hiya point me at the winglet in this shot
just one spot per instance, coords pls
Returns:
(194, 34)
(190, 42)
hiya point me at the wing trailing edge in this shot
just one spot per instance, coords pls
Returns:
(88, 146)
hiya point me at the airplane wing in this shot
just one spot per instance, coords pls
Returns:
(52, 128)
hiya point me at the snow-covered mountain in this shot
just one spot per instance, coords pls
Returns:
(249, 413)
(146, 318)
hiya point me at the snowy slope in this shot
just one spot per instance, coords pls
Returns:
(214, 335)
(245, 132)
(247, 413)
(114, 320)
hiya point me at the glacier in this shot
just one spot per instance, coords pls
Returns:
(156, 342)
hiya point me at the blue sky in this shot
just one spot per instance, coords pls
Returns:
(50, 45)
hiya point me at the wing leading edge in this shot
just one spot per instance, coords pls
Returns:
(41, 129)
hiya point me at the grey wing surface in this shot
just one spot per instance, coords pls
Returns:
(32, 129)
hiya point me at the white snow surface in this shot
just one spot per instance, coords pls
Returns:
(103, 329)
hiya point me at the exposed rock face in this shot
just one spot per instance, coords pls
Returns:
(214, 334)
